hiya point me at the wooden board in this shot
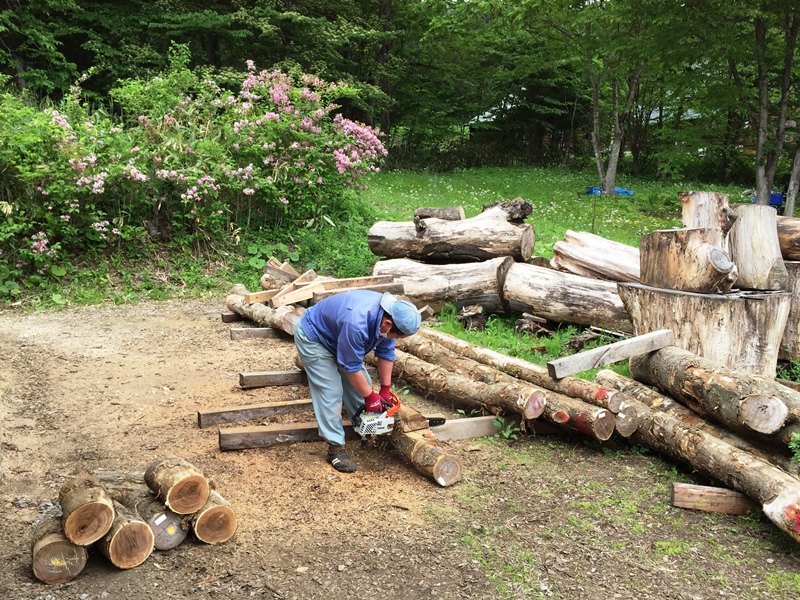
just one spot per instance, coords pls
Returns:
(622, 350)
(392, 288)
(238, 414)
(309, 275)
(231, 317)
(466, 429)
(303, 291)
(247, 333)
(256, 379)
(358, 282)
(256, 297)
(712, 499)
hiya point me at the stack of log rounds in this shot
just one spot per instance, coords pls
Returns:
(55, 558)
(130, 540)
(168, 527)
(183, 488)
(216, 521)
(88, 511)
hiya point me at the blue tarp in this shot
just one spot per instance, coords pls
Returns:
(598, 191)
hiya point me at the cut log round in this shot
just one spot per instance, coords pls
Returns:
(284, 317)
(169, 528)
(594, 256)
(588, 391)
(129, 541)
(683, 259)
(449, 213)
(627, 421)
(483, 237)
(463, 285)
(740, 330)
(789, 237)
(55, 559)
(182, 487)
(709, 211)
(87, 509)
(428, 455)
(216, 521)
(755, 248)
(564, 297)
(579, 416)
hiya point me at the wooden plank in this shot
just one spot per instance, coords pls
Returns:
(712, 499)
(309, 275)
(598, 357)
(287, 268)
(358, 282)
(239, 414)
(231, 317)
(274, 262)
(392, 288)
(256, 379)
(278, 275)
(247, 333)
(466, 429)
(302, 292)
(257, 297)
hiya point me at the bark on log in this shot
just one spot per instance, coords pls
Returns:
(587, 391)
(498, 398)
(579, 416)
(776, 491)
(182, 487)
(88, 511)
(462, 285)
(483, 237)
(742, 402)
(216, 521)
(168, 527)
(683, 259)
(594, 256)
(284, 318)
(426, 453)
(129, 541)
(755, 248)
(789, 237)
(448, 213)
(790, 343)
(741, 331)
(709, 211)
(564, 297)
(55, 559)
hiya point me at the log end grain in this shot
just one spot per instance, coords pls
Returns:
(626, 422)
(188, 495)
(603, 426)
(131, 545)
(447, 470)
(89, 522)
(784, 511)
(168, 530)
(761, 413)
(533, 406)
(55, 559)
(215, 525)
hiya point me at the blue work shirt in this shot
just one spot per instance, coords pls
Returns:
(348, 325)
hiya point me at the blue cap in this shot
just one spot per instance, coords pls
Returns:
(405, 315)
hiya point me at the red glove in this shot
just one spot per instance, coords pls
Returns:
(386, 392)
(373, 403)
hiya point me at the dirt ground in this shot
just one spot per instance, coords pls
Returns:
(99, 388)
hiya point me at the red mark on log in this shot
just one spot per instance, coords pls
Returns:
(601, 394)
(793, 516)
(560, 416)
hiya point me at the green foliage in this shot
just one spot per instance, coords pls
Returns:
(507, 429)
(794, 447)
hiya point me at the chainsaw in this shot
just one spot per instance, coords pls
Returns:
(376, 423)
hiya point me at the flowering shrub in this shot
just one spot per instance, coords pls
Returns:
(188, 162)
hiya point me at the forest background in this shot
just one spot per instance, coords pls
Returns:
(163, 142)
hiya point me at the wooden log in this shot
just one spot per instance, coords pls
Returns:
(461, 285)
(774, 489)
(737, 400)
(740, 330)
(168, 527)
(483, 237)
(130, 540)
(275, 278)
(55, 559)
(594, 256)
(498, 398)
(181, 485)
(789, 237)
(216, 521)
(755, 248)
(587, 391)
(790, 343)
(284, 317)
(579, 416)
(87, 510)
(626, 421)
(709, 211)
(611, 353)
(449, 213)
(564, 297)
(684, 259)
(711, 499)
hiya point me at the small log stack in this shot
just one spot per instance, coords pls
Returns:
(594, 256)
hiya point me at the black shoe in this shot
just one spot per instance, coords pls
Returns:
(340, 459)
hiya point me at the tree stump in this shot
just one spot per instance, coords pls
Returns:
(755, 248)
(180, 484)
(216, 521)
(88, 511)
(129, 541)
(711, 212)
(55, 558)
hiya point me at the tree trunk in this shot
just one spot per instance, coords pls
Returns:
(587, 391)
(216, 521)
(579, 416)
(709, 211)
(794, 185)
(462, 285)
(180, 484)
(683, 259)
(448, 213)
(284, 318)
(789, 237)
(755, 248)
(55, 559)
(129, 541)
(744, 403)
(594, 256)
(742, 331)
(691, 441)
(790, 344)
(564, 297)
(88, 511)
(483, 237)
